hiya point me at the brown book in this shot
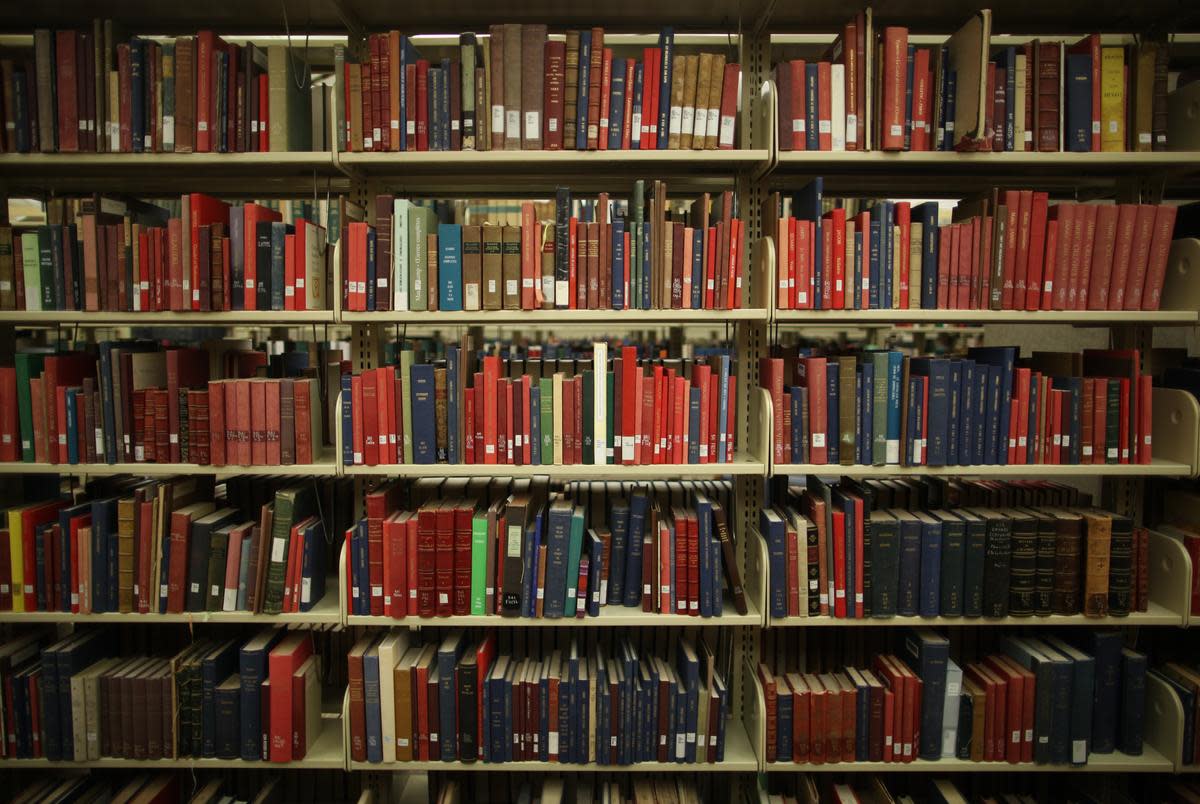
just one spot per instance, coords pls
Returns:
(472, 266)
(513, 56)
(383, 251)
(533, 74)
(978, 717)
(697, 137)
(1158, 124)
(678, 77)
(595, 85)
(847, 408)
(687, 101)
(431, 270)
(1141, 137)
(511, 267)
(493, 266)
(496, 85)
(571, 90)
(715, 88)
(1096, 562)
(593, 266)
(43, 54)
(1046, 94)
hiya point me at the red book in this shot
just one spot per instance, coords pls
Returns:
(895, 72)
(630, 370)
(285, 658)
(825, 107)
(238, 415)
(605, 99)
(1160, 247)
(729, 106)
(258, 422)
(556, 78)
(1143, 236)
(444, 559)
(422, 105)
(358, 711)
(904, 222)
(1122, 255)
(66, 90)
(1088, 236)
(463, 514)
(945, 253)
(1035, 263)
(811, 374)
(1057, 271)
(302, 400)
(834, 223)
(921, 99)
(207, 43)
(627, 117)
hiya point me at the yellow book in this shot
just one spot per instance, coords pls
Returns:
(1112, 99)
(18, 558)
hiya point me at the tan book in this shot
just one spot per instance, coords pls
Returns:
(978, 717)
(557, 439)
(1142, 83)
(533, 76)
(687, 110)
(511, 267)
(716, 85)
(402, 708)
(547, 268)
(472, 267)
(394, 102)
(308, 678)
(675, 119)
(700, 116)
(1096, 546)
(391, 648)
(914, 264)
(512, 86)
(126, 514)
(493, 266)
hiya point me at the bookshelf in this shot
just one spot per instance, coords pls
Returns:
(752, 170)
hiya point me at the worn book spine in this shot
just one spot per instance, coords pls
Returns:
(1096, 563)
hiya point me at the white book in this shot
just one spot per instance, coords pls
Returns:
(391, 649)
(600, 402)
(400, 260)
(837, 99)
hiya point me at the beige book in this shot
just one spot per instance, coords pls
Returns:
(687, 111)
(702, 723)
(852, 278)
(493, 271)
(394, 103)
(675, 119)
(700, 116)
(512, 87)
(1020, 134)
(472, 267)
(391, 648)
(355, 141)
(512, 267)
(916, 231)
(558, 423)
(716, 85)
(309, 676)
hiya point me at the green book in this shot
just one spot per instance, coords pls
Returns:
(573, 550)
(546, 386)
(291, 506)
(479, 548)
(29, 365)
(218, 552)
(610, 418)
(589, 417)
(31, 268)
(289, 97)
(421, 222)
(406, 362)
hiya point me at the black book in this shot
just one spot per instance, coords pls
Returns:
(262, 263)
(1120, 567)
(996, 562)
(1045, 561)
(885, 564)
(954, 547)
(1132, 726)
(228, 696)
(966, 718)
(1106, 648)
(1022, 584)
(468, 706)
(908, 589)
(973, 562)
(199, 545)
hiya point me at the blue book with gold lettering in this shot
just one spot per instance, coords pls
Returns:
(449, 267)
(423, 414)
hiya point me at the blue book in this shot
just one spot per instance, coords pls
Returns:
(1032, 438)
(279, 233)
(1078, 117)
(807, 205)
(618, 263)
(704, 557)
(666, 44)
(798, 396)
(936, 372)
(639, 114)
(595, 554)
(104, 514)
(581, 108)
(945, 124)
(927, 215)
(909, 588)
(616, 115)
(850, 534)
(693, 455)
(347, 421)
(966, 412)
(886, 258)
(645, 284)
(951, 106)
(774, 531)
(833, 436)
(930, 594)
(723, 409)
(252, 670)
(362, 567)
(862, 702)
(558, 539)
(1083, 684)
(216, 666)
(639, 504)
(859, 414)
(952, 566)
(953, 413)
(454, 438)
(858, 268)
(868, 419)
(908, 97)
(312, 566)
(449, 266)
(72, 426)
(980, 394)
(874, 255)
(812, 91)
(697, 269)
(72, 656)
(1131, 730)
(374, 719)
(928, 654)
(448, 655)
(423, 414)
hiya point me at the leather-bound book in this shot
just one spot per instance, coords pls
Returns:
(1047, 92)
(533, 77)
(571, 89)
(1120, 567)
(555, 89)
(1097, 545)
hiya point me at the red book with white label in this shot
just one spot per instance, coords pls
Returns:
(285, 658)
(824, 106)
(895, 74)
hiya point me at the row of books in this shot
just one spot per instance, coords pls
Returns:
(836, 550)
(968, 95)
(141, 788)
(166, 547)
(1045, 700)
(520, 88)
(1183, 679)
(489, 410)
(606, 254)
(78, 700)
(89, 91)
(912, 788)
(1010, 250)
(989, 408)
(519, 549)
(212, 256)
(136, 402)
(463, 699)
(614, 788)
